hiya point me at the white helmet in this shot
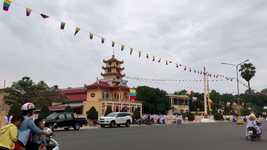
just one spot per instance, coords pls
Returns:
(27, 107)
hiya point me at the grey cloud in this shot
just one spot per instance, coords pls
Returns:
(195, 33)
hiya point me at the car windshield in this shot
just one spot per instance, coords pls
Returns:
(52, 116)
(112, 115)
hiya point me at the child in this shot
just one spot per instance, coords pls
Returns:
(9, 133)
(39, 140)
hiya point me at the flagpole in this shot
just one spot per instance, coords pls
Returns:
(205, 92)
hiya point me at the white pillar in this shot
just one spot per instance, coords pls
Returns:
(205, 92)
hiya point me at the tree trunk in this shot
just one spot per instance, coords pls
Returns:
(249, 89)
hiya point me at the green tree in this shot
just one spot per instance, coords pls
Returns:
(69, 109)
(248, 71)
(44, 112)
(264, 91)
(92, 114)
(182, 92)
(155, 101)
(109, 110)
(25, 90)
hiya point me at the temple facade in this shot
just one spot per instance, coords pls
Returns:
(110, 91)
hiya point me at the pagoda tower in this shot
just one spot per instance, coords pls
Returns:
(113, 71)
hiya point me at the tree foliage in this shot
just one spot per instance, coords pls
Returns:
(248, 71)
(155, 101)
(25, 90)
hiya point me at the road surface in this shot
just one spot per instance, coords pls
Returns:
(212, 136)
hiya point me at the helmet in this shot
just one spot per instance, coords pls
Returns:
(27, 107)
(252, 117)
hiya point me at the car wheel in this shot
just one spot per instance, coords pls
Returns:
(77, 126)
(128, 123)
(112, 124)
(66, 128)
(102, 126)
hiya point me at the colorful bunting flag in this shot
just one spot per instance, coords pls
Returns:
(166, 62)
(185, 68)
(113, 44)
(122, 47)
(6, 4)
(91, 36)
(62, 25)
(153, 58)
(77, 29)
(28, 11)
(102, 40)
(44, 16)
(177, 66)
(147, 56)
(131, 51)
(159, 60)
(139, 54)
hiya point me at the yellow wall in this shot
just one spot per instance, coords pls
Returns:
(97, 101)
(93, 101)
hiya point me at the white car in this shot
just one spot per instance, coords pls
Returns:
(116, 119)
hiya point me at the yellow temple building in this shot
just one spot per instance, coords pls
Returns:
(111, 91)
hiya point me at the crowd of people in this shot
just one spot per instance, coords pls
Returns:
(22, 132)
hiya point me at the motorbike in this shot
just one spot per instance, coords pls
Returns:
(52, 144)
(254, 132)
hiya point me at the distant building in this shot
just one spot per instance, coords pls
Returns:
(179, 103)
(111, 91)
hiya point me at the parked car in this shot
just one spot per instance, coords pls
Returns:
(64, 120)
(116, 119)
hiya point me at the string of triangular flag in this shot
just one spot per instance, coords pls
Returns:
(170, 80)
(123, 47)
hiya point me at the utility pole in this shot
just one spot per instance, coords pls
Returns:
(205, 92)
(4, 84)
(237, 75)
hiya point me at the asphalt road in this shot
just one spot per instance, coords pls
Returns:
(214, 136)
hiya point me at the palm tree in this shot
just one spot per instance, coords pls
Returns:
(248, 71)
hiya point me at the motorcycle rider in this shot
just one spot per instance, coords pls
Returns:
(252, 122)
(27, 126)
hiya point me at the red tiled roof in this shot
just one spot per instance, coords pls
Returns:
(57, 107)
(75, 94)
(105, 85)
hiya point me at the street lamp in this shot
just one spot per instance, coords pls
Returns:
(236, 67)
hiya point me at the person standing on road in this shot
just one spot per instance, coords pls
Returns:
(9, 133)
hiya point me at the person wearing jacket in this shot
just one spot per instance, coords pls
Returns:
(27, 127)
(9, 133)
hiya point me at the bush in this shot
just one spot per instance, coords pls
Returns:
(191, 117)
(244, 112)
(109, 110)
(217, 116)
(92, 114)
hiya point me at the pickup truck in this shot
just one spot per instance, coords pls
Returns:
(64, 120)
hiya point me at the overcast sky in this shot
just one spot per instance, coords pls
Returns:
(195, 33)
